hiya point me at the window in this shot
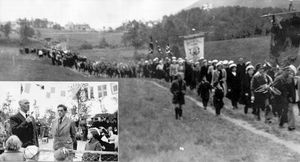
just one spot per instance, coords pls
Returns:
(114, 88)
(102, 91)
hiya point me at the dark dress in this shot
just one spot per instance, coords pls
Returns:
(246, 92)
(177, 89)
(233, 84)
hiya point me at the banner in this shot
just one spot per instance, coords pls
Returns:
(194, 46)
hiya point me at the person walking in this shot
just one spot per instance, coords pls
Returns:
(178, 89)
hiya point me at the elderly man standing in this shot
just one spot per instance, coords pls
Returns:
(23, 125)
(63, 130)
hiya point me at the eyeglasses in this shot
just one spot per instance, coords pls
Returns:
(60, 110)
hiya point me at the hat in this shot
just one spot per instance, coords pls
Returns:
(209, 62)
(225, 62)
(60, 154)
(248, 63)
(214, 61)
(249, 67)
(219, 63)
(201, 58)
(230, 62)
(30, 151)
(94, 131)
(293, 68)
(173, 58)
(232, 65)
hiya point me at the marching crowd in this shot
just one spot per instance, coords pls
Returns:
(22, 142)
(262, 88)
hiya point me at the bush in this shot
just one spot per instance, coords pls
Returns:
(86, 45)
(103, 43)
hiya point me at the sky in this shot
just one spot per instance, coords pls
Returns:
(96, 13)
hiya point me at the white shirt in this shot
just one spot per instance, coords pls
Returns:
(23, 114)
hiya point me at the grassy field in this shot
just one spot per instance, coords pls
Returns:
(78, 38)
(149, 132)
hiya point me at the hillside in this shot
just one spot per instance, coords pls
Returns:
(246, 3)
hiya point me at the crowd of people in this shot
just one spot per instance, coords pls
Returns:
(22, 142)
(262, 88)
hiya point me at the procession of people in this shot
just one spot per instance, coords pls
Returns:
(261, 87)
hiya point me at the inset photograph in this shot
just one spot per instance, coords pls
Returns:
(59, 121)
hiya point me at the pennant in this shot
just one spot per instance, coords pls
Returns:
(151, 46)
(99, 91)
(92, 93)
(48, 94)
(21, 88)
(41, 86)
(52, 89)
(63, 93)
(27, 87)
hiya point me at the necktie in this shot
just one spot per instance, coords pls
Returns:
(60, 120)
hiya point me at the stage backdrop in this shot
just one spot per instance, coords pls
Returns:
(194, 46)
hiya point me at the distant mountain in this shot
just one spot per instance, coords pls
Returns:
(246, 3)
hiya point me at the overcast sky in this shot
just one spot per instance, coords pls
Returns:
(97, 13)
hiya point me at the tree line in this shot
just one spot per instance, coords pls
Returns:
(220, 23)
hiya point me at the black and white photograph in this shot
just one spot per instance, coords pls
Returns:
(150, 80)
(59, 121)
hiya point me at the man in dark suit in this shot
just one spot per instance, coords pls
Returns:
(63, 130)
(23, 125)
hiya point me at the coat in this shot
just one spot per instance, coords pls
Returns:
(64, 133)
(93, 145)
(27, 132)
(178, 92)
(218, 98)
(246, 90)
(256, 81)
(16, 156)
(233, 84)
(203, 90)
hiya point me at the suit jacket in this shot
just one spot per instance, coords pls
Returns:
(64, 133)
(26, 132)
(297, 87)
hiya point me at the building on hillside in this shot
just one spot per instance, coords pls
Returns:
(78, 27)
(207, 6)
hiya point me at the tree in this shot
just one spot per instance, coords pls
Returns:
(57, 27)
(26, 31)
(136, 34)
(7, 29)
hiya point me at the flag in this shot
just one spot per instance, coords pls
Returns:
(168, 50)
(151, 46)
(52, 89)
(48, 94)
(27, 87)
(41, 86)
(21, 88)
(63, 93)
(92, 93)
(158, 47)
